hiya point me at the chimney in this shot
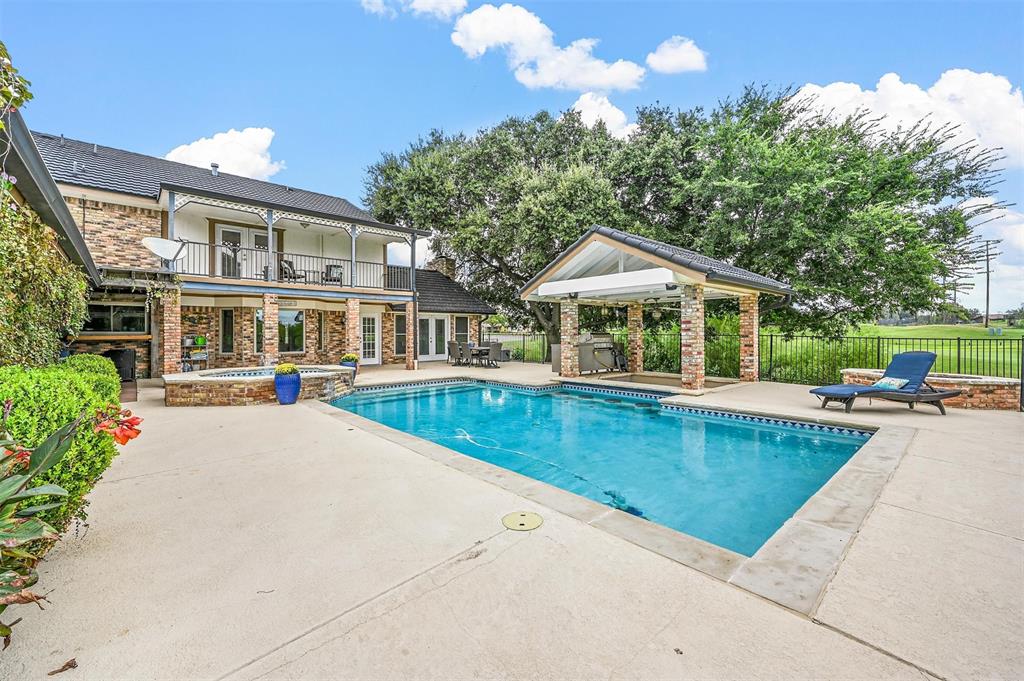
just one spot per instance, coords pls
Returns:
(214, 169)
(444, 265)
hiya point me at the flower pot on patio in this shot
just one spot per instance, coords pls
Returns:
(351, 360)
(287, 383)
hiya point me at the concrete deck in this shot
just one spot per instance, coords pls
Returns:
(279, 542)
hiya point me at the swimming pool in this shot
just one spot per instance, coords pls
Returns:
(725, 478)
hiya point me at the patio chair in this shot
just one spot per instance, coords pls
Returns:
(494, 354)
(453, 353)
(334, 274)
(903, 381)
(289, 273)
(465, 354)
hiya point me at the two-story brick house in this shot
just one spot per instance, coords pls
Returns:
(267, 272)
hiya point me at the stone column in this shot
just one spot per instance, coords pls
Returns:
(750, 361)
(570, 339)
(410, 333)
(353, 330)
(635, 349)
(691, 337)
(270, 353)
(170, 332)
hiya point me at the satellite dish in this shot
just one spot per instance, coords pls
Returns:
(166, 249)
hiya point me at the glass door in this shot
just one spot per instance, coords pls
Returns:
(423, 338)
(370, 346)
(439, 339)
(432, 337)
(230, 242)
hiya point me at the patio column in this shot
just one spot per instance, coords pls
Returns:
(353, 332)
(354, 233)
(170, 332)
(410, 339)
(691, 337)
(635, 349)
(271, 248)
(749, 355)
(570, 318)
(270, 353)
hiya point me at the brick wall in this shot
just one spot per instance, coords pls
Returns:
(749, 353)
(170, 332)
(410, 336)
(387, 339)
(353, 331)
(691, 337)
(270, 337)
(98, 347)
(635, 326)
(978, 393)
(570, 315)
(114, 233)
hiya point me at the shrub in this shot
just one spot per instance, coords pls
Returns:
(47, 398)
(286, 368)
(100, 372)
(350, 357)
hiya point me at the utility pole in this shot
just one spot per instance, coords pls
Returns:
(989, 255)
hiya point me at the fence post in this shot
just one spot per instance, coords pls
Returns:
(771, 357)
(1020, 373)
(878, 352)
(958, 354)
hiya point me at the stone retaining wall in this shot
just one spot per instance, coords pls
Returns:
(979, 392)
(207, 389)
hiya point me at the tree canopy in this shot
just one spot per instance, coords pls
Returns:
(856, 217)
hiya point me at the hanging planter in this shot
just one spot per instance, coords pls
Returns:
(287, 383)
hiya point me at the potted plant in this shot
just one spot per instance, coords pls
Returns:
(351, 359)
(287, 383)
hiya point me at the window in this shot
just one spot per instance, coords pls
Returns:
(291, 331)
(400, 334)
(116, 318)
(462, 329)
(321, 330)
(227, 332)
(259, 330)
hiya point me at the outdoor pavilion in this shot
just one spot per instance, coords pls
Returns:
(609, 267)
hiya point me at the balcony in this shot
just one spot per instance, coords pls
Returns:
(228, 261)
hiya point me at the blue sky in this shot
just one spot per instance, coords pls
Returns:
(338, 83)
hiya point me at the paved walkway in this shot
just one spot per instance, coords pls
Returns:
(279, 542)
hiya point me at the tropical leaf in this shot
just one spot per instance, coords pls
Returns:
(18, 531)
(12, 581)
(9, 486)
(52, 449)
(33, 510)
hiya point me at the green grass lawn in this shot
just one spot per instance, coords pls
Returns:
(937, 331)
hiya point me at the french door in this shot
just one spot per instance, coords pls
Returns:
(369, 325)
(432, 337)
(241, 252)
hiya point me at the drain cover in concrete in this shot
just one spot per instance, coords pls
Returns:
(522, 521)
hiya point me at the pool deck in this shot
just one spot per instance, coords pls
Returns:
(281, 542)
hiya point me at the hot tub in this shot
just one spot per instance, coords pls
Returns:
(241, 386)
(979, 392)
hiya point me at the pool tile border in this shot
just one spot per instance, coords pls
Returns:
(793, 568)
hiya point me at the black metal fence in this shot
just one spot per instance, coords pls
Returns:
(804, 359)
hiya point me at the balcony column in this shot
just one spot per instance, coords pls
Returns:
(635, 349)
(171, 265)
(691, 337)
(271, 248)
(749, 355)
(570, 314)
(353, 330)
(270, 339)
(170, 331)
(354, 232)
(410, 335)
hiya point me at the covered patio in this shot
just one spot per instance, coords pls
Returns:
(607, 267)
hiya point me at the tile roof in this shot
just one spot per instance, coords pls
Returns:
(437, 293)
(86, 165)
(712, 268)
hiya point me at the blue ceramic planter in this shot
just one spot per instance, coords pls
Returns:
(354, 365)
(287, 387)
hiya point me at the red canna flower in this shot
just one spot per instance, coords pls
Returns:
(121, 425)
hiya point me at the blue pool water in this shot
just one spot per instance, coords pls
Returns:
(727, 481)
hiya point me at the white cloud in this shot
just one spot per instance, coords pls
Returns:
(439, 9)
(986, 106)
(239, 152)
(1007, 285)
(676, 55)
(594, 107)
(533, 56)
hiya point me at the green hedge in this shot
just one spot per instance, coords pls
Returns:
(45, 399)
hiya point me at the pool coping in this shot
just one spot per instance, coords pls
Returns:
(794, 565)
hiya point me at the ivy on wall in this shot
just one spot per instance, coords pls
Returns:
(42, 293)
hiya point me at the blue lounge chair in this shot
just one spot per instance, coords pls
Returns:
(913, 367)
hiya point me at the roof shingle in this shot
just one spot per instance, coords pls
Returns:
(86, 165)
(437, 293)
